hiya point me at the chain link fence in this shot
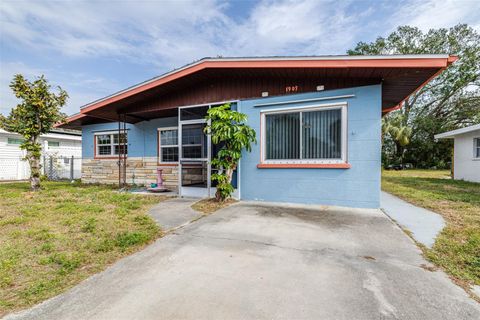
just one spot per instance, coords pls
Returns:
(62, 168)
(53, 168)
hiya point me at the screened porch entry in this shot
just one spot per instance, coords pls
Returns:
(195, 152)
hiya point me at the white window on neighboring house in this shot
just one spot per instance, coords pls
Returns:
(310, 135)
(476, 148)
(15, 141)
(54, 144)
(168, 145)
(108, 144)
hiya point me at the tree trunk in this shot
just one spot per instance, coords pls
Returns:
(399, 152)
(229, 173)
(33, 157)
(34, 171)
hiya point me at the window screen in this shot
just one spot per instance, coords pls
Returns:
(283, 136)
(304, 135)
(322, 134)
(194, 141)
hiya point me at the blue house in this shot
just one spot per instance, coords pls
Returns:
(317, 119)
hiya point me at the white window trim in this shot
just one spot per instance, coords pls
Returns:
(330, 106)
(475, 148)
(112, 144)
(160, 146)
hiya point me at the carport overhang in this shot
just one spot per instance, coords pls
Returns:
(222, 79)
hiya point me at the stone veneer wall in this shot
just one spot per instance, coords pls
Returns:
(140, 171)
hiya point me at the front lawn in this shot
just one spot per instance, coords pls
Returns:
(457, 248)
(53, 239)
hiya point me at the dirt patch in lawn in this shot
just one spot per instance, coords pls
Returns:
(208, 206)
(54, 238)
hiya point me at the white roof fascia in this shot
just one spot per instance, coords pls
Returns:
(453, 133)
(61, 136)
(48, 135)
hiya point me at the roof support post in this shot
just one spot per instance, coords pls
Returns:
(122, 150)
(119, 159)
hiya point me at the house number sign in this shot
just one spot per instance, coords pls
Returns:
(289, 89)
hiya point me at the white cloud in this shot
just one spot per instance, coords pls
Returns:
(171, 33)
(432, 14)
(167, 34)
(294, 27)
(149, 30)
(174, 33)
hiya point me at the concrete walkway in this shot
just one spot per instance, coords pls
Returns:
(173, 213)
(424, 224)
(253, 261)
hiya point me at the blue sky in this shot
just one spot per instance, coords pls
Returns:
(94, 48)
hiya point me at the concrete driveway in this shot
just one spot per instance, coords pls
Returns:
(269, 262)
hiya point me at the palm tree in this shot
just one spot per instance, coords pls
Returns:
(396, 127)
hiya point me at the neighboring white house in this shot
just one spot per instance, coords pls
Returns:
(59, 144)
(466, 155)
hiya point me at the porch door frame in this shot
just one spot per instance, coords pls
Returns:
(206, 160)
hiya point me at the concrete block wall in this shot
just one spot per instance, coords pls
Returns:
(358, 186)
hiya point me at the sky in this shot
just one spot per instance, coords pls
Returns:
(95, 48)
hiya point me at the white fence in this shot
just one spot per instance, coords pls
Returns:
(54, 168)
(14, 169)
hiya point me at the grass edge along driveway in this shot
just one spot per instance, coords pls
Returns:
(457, 247)
(55, 238)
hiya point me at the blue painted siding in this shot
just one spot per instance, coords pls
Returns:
(358, 186)
(142, 136)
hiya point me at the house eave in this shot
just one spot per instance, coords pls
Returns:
(405, 61)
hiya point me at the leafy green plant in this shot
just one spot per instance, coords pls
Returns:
(227, 128)
(36, 114)
(394, 128)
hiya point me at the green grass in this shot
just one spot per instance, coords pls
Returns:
(52, 239)
(457, 248)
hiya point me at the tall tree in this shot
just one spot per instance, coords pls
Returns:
(36, 114)
(450, 101)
